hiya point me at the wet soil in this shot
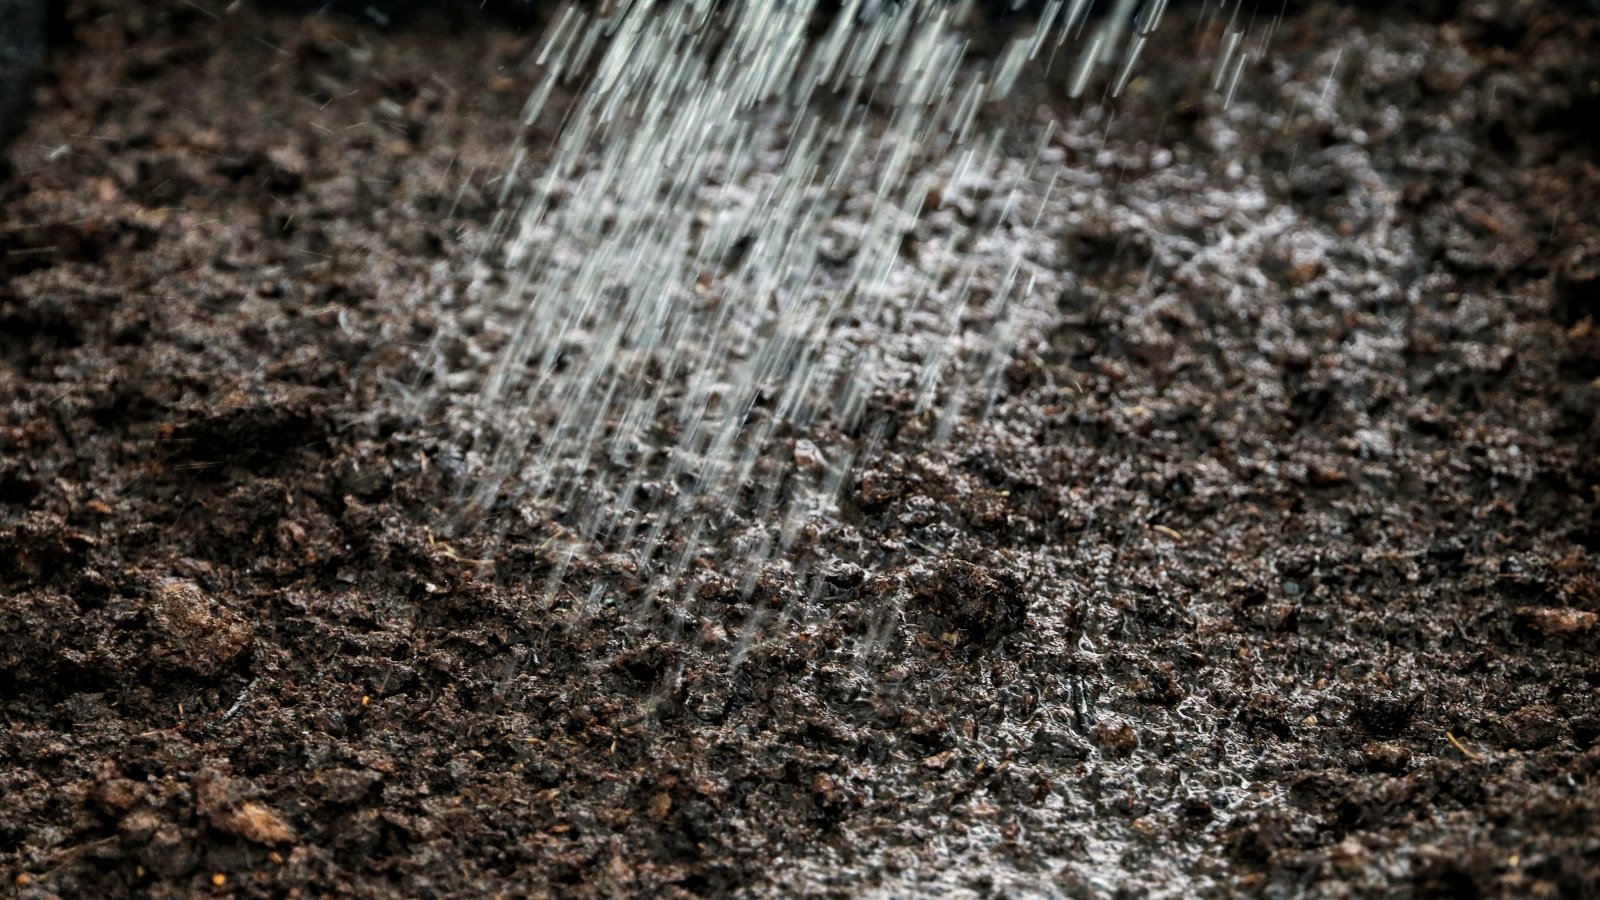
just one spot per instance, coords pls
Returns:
(1273, 571)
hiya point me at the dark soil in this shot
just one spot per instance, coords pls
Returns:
(1289, 589)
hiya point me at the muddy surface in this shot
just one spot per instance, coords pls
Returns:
(1273, 570)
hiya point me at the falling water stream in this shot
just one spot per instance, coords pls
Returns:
(754, 218)
(754, 223)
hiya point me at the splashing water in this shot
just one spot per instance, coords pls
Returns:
(765, 240)
(755, 219)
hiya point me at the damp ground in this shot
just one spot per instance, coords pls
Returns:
(1272, 569)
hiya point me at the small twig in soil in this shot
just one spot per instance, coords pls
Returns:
(449, 552)
(1469, 754)
(68, 855)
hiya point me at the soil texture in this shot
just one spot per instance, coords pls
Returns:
(1274, 570)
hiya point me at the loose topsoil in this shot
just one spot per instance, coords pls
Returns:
(1273, 571)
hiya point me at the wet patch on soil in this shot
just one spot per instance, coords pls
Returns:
(1273, 569)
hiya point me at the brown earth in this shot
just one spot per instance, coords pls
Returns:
(1295, 599)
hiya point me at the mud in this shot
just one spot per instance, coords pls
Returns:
(1273, 570)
